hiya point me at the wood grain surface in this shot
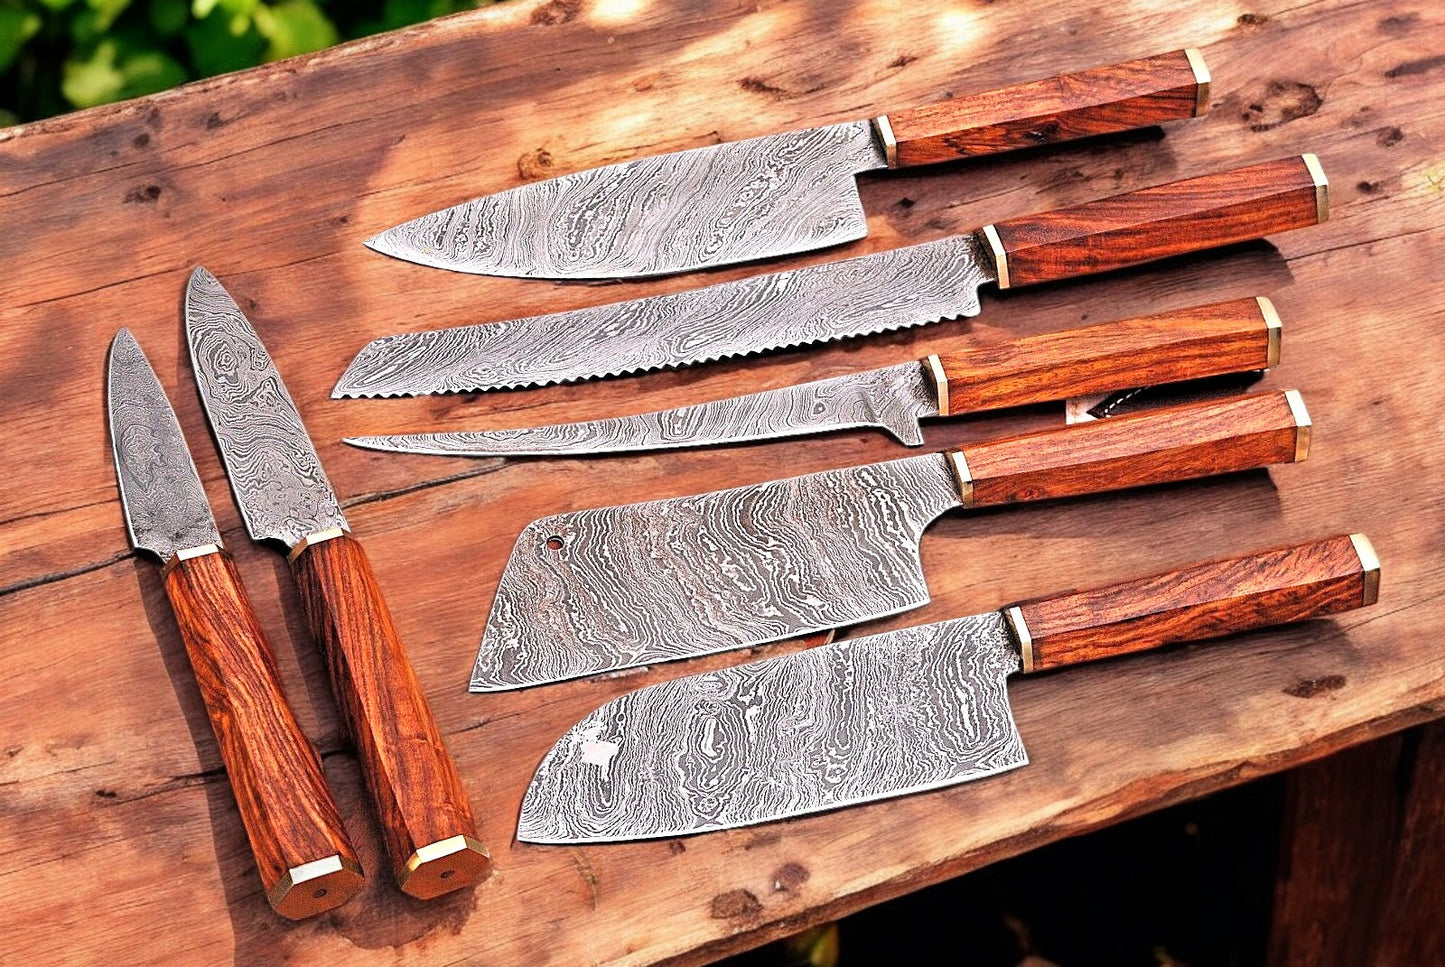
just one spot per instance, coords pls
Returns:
(118, 823)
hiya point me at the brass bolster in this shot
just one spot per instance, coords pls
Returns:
(962, 476)
(1275, 328)
(1015, 617)
(1322, 186)
(331, 533)
(1302, 424)
(186, 553)
(940, 383)
(1201, 80)
(1000, 257)
(1371, 565)
(883, 128)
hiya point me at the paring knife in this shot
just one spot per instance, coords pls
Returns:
(599, 590)
(873, 293)
(871, 718)
(1184, 344)
(307, 863)
(284, 495)
(784, 193)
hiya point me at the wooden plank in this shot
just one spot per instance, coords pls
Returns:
(118, 826)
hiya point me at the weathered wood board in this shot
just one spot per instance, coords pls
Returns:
(119, 834)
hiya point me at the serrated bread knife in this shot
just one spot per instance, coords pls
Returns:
(920, 708)
(872, 293)
(774, 195)
(594, 591)
(284, 495)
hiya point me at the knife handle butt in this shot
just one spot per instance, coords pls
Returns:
(1103, 100)
(413, 783)
(307, 863)
(1205, 601)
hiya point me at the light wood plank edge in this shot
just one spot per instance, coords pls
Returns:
(1371, 564)
(1201, 80)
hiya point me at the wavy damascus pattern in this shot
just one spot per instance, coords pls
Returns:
(724, 203)
(165, 505)
(872, 293)
(846, 723)
(598, 590)
(893, 399)
(275, 472)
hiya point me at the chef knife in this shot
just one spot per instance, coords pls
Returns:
(872, 293)
(774, 195)
(1184, 344)
(905, 711)
(593, 591)
(284, 495)
(307, 863)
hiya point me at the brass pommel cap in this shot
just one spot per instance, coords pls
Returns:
(315, 887)
(444, 866)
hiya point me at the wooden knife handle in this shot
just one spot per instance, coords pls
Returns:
(413, 783)
(1155, 223)
(307, 864)
(1205, 601)
(1194, 343)
(1155, 446)
(1133, 94)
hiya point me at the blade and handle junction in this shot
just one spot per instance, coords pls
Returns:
(1159, 222)
(1205, 601)
(412, 781)
(1103, 100)
(307, 863)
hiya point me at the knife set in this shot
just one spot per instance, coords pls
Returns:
(594, 591)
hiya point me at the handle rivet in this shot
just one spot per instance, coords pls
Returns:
(447, 874)
(319, 893)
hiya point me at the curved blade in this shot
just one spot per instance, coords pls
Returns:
(846, 723)
(724, 203)
(853, 297)
(894, 398)
(598, 590)
(165, 505)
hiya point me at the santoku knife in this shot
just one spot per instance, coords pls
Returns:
(872, 718)
(599, 590)
(1201, 341)
(872, 293)
(307, 863)
(774, 195)
(284, 495)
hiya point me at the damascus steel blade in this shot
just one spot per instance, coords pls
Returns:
(846, 723)
(724, 203)
(165, 505)
(598, 590)
(894, 399)
(275, 472)
(888, 290)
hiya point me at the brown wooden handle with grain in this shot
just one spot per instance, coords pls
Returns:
(1273, 587)
(1155, 223)
(1134, 94)
(307, 864)
(425, 818)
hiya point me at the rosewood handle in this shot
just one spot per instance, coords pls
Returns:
(1201, 341)
(1155, 223)
(1155, 446)
(307, 864)
(413, 783)
(1205, 601)
(1133, 94)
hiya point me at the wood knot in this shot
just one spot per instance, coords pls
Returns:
(1389, 137)
(1311, 687)
(735, 905)
(788, 877)
(556, 12)
(1251, 20)
(535, 165)
(144, 195)
(1283, 101)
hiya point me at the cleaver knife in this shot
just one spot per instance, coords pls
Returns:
(775, 195)
(872, 293)
(593, 591)
(920, 708)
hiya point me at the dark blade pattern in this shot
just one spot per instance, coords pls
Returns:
(730, 202)
(598, 590)
(846, 723)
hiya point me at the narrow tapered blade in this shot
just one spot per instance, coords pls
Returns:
(846, 723)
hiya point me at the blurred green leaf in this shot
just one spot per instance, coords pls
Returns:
(168, 17)
(214, 50)
(56, 5)
(106, 11)
(16, 27)
(294, 27)
(94, 80)
(149, 71)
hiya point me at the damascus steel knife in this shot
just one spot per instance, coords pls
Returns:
(887, 290)
(1202, 341)
(307, 863)
(284, 495)
(599, 590)
(921, 708)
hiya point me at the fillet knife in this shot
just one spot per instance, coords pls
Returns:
(920, 708)
(284, 495)
(307, 863)
(1202, 341)
(775, 195)
(594, 591)
(872, 293)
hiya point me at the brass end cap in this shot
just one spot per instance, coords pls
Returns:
(1201, 80)
(1370, 565)
(883, 128)
(1015, 618)
(446, 865)
(961, 476)
(1322, 186)
(996, 249)
(1274, 326)
(186, 554)
(330, 533)
(315, 887)
(1302, 424)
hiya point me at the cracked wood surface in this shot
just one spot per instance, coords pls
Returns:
(119, 827)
